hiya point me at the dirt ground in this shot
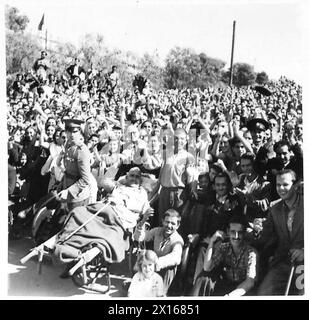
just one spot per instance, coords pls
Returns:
(25, 281)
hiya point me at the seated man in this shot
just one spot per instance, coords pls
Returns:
(128, 197)
(283, 231)
(217, 215)
(106, 224)
(232, 265)
(167, 244)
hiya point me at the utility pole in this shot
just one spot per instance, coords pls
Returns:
(232, 54)
(46, 40)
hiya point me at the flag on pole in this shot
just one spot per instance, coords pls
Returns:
(41, 23)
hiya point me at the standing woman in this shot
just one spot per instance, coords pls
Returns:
(55, 148)
(152, 158)
(108, 163)
(91, 128)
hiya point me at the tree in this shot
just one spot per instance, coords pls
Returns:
(186, 69)
(211, 70)
(243, 75)
(262, 77)
(150, 69)
(20, 47)
(181, 68)
(21, 50)
(92, 50)
(14, 21)
(61, 56)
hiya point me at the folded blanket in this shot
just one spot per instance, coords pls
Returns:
(104, 231)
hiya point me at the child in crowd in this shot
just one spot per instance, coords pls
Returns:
(146, 282)
(167, 244)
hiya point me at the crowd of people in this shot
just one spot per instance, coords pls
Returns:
(227, 161)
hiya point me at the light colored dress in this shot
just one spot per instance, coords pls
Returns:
(142, 287)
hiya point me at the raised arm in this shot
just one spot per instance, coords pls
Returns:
(239, 136)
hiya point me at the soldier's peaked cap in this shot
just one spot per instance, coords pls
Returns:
(257, 124)
(73, 123)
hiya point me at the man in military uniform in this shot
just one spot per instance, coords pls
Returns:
(77, 177)
(257, 128)
(262, 147)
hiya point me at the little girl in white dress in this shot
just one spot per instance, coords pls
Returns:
(146, 282)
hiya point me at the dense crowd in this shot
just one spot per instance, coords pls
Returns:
(228, 162)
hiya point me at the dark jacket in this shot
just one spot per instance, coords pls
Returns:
(275, 231)
(217, 215)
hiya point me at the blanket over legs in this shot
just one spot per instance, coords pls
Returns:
(104, 231)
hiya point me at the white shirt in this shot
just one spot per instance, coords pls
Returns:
(175, 173)
(130, 202)
(221, 199)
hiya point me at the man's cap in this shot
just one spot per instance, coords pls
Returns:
(257, 124)
(73, 123)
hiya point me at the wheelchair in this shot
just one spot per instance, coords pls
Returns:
(15, 202)
(90, 264)
(49, 216)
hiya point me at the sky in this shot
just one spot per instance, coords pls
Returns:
(269, 34)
